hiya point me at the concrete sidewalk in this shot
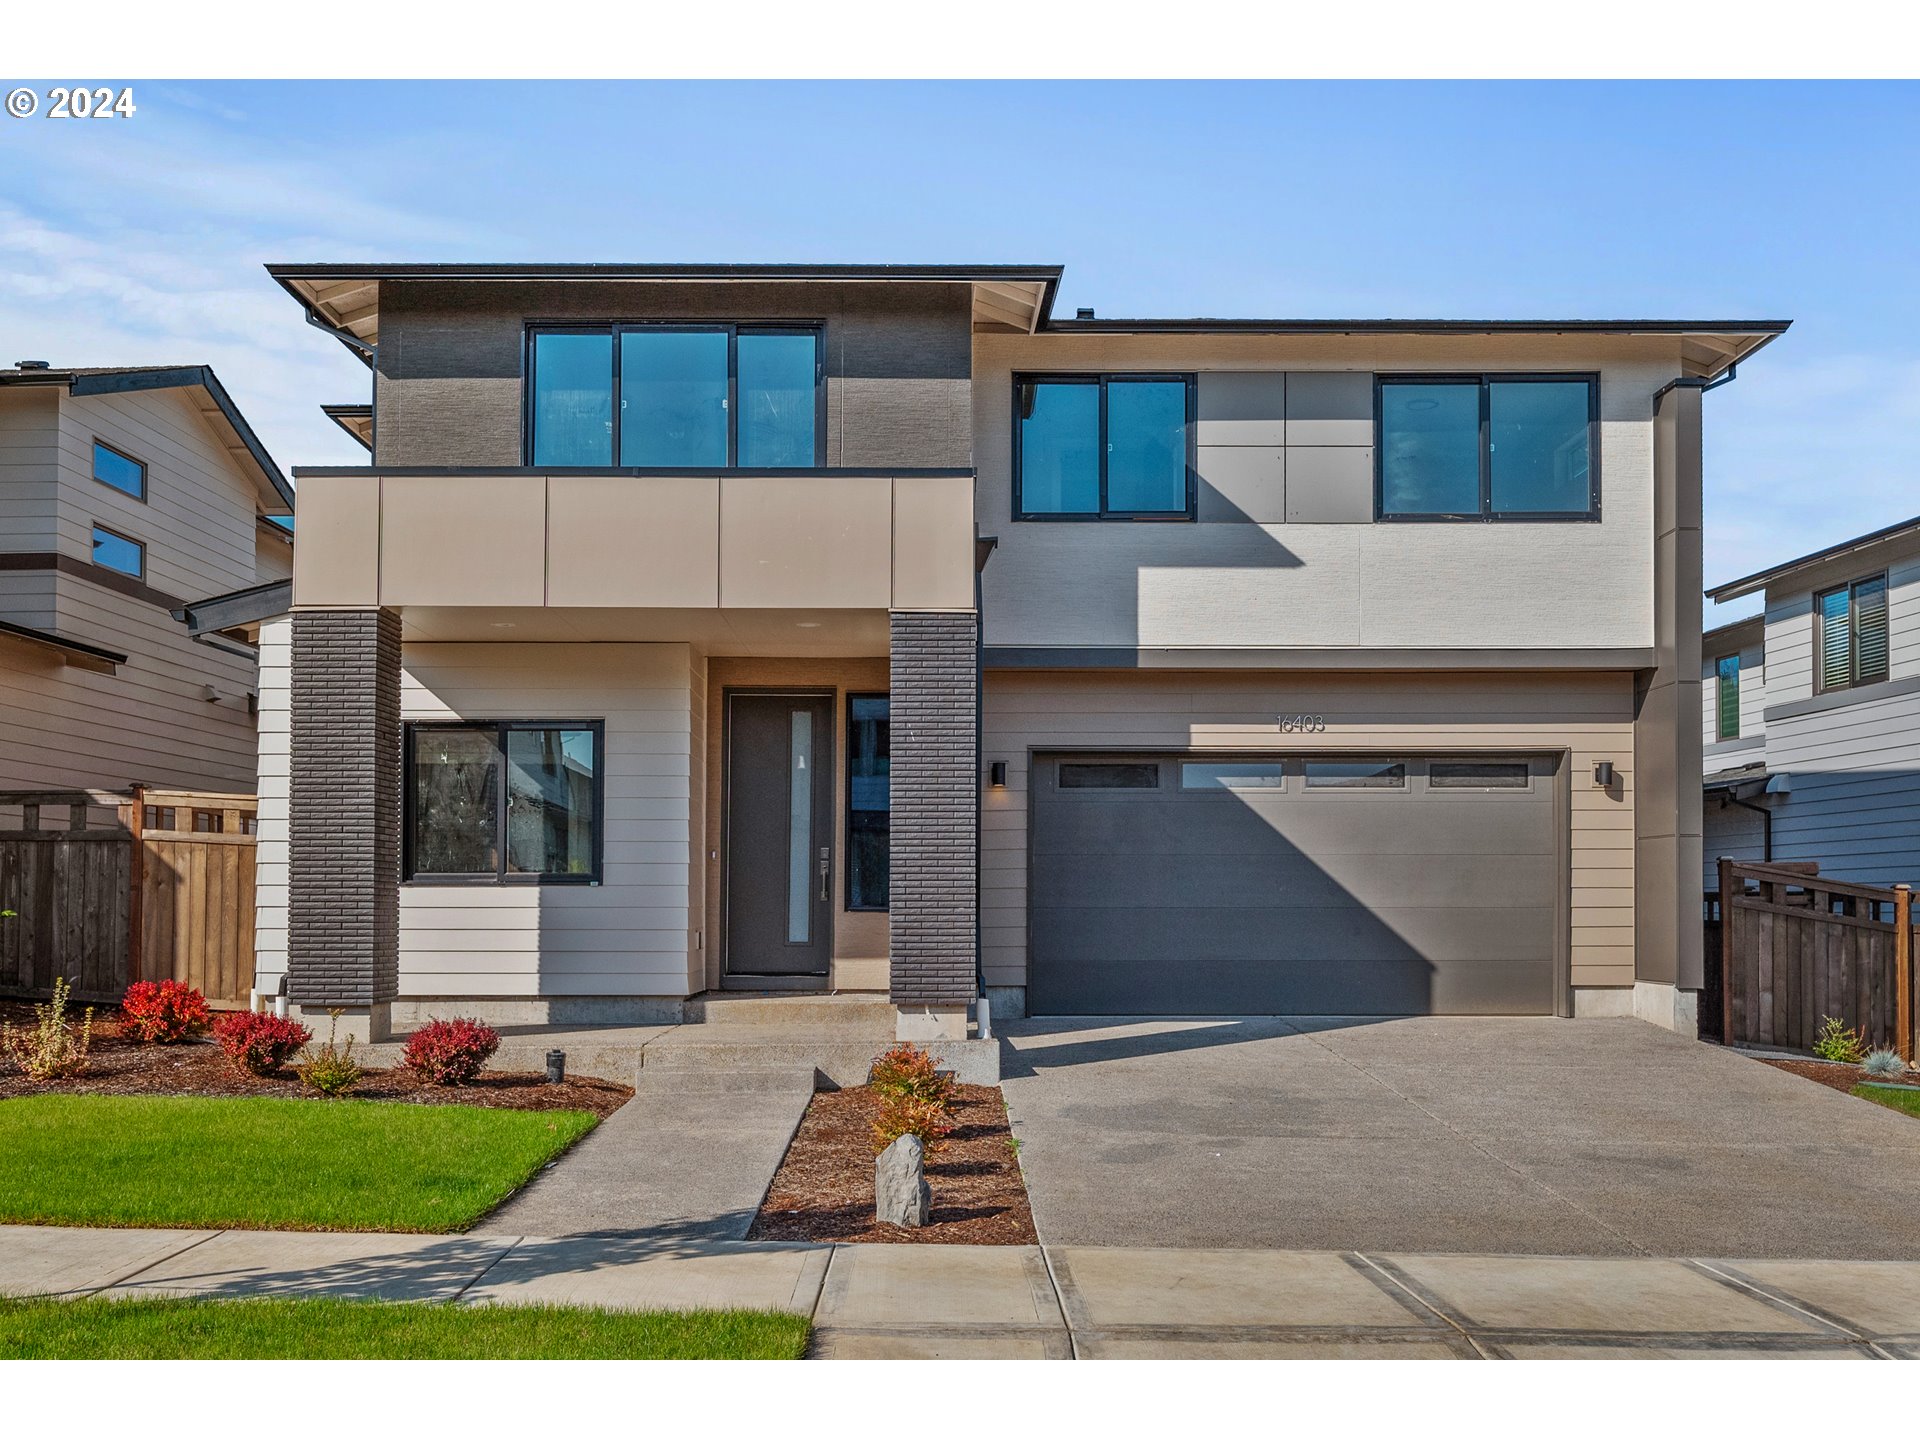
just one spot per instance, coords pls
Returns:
(1057, 1302)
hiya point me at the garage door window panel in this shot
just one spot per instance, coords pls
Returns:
(1478, 775)
(1267, 775)
(1356, 774)
(1129, 775)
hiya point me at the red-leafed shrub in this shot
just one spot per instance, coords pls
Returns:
(909, 1073)
(899, 1115)
(259, 1044)
(163, 1013)
(450, 1052)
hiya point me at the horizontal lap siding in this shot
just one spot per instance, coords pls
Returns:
(1854, 805)
(626, 936)
(1589, 714)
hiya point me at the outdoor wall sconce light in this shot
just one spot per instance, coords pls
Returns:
(1603, 774)
(997, 774)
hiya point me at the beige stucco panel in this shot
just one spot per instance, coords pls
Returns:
(816, 541)
(617, 540)
(462, 540)
(337, 561)
(933, 543)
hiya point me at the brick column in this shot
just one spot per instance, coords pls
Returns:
(934, 809)
(343, 828)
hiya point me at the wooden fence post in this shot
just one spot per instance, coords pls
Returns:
(136, 879)
(1903, 970)
(1726, 950)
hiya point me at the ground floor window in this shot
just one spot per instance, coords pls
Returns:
(503, 802)
(867, 812)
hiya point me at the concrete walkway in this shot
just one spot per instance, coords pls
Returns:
(691, 1155)
(1539, 1136)
(952, 1301)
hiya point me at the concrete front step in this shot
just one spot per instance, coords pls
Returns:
(840, 1062)
(864, 1013)
(691, 1080)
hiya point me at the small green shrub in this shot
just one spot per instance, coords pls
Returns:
(331, 1069)
(1884, 1064)
(1836, 1042)
(907, 1072)
(51, 1048)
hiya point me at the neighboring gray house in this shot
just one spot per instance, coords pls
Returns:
(1811, 713)
(872, 629)
(125, 494)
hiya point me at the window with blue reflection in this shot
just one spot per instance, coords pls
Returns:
(1429, 449)
(868, 801)
(572, 399)
(122, 472)
(776, 393)
(1537, 437)
(117, 552)
(673, 398)
(1059, 447)
(1146, 446)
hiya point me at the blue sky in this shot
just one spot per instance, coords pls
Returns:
(140, 241)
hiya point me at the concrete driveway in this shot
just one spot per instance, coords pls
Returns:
(1511, 1136)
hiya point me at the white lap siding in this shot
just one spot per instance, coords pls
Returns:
(624, 937)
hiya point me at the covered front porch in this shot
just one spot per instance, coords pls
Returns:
(516, 791)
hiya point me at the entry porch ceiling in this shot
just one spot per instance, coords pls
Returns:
(808, 633)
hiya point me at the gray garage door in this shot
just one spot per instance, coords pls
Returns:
(1194, 885)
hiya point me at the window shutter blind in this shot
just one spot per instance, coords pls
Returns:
(1835, 658)
(1728, 696)
(1870, 630)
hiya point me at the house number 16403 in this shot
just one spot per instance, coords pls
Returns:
(1302, 724)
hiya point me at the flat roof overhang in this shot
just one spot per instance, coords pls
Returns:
(72, 652)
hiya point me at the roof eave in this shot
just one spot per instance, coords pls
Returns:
(1761, 579)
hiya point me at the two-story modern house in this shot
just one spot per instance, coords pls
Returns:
(1811, 713)
(125, 495)
(869, 628)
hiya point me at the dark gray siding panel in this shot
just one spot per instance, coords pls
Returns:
(1294, 901)
(898, 362)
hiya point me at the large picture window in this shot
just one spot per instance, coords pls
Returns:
(696, 397)
(868, 795)
(1494, 447)
(503, 802)
(1094, 447)
(1850, 634)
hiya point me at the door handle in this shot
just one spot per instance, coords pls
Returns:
(826, 866)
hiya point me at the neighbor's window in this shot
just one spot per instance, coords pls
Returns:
(1356, 774)
(117, 552)
(867, 794)
(1726, 697)
(1488, 448)
(699, 397)
(1850, 634)
(1088, 447)
(122, 472)
(503, 802)
(1477, 775)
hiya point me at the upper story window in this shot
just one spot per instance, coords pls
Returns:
(117, 552)
(1726, 699)
(1093, 447)
(1850, 634)
(122, 472)
(1490, 447)
(699, 397)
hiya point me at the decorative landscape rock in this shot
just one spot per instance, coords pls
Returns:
(900, 1194)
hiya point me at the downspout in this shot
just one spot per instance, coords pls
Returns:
(1766, 824)
(1696, 382)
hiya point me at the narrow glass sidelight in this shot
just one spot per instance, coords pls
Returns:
(800, 829)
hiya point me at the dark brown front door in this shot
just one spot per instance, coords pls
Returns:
(779, 830)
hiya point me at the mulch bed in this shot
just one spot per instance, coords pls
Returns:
(119, 1065)
(824, 1187)
(1827, 1072)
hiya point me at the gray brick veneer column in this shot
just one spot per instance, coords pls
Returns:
(343, 830)
(934, 806)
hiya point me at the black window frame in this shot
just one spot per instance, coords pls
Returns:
(733, 329)
(1852, 589)
(501, 875)
(853, 908)
(140, 465)
(1486, 514)
(1104, 378)
(1400, 783)
(1719, 697)
(139, 545)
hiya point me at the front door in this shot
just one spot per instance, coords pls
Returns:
(779, 829)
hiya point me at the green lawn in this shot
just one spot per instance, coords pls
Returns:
(1907, 1102)
(371, 1330)
(267, 1164)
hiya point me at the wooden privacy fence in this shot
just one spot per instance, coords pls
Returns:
(1795, 948)
(163, 889)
